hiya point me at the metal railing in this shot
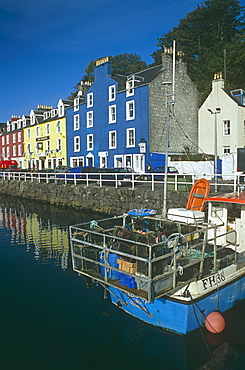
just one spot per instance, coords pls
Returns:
(153, 181)
(101, 253)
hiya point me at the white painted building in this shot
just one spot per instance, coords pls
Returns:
(226, 110)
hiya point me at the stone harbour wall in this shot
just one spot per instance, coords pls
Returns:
(106, 200)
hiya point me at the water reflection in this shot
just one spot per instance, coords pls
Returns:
(44, 230)
(93, 333)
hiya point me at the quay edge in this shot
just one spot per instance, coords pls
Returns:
(107, 200)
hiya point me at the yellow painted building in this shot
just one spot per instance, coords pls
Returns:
(45, 139)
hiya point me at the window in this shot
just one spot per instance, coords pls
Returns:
(13, 126)
(28, 133)
(76, 122)
(76, 104)
(54, 112)
(90, 142)
(48, 145)
(33, 119)
(77, 161)
(118, 161)
(130, 110)
(14, 138)
(37, 131)
(3, 141)
(227, 128)
(3, 152)
(58, 127)
(76, 143)
(39, 146)
(112, 139)
(46, 115)
(90, 119)
(19, 150)
(19, 123)
(130, 137)
(112, 114)
(90, 100)
(29, 148)
(47, 129)
(61, 110)
(226, 149)
(112, 93)
(130, 88)
(19, 136)
(14, 151)
(7, 139)
(59, 145)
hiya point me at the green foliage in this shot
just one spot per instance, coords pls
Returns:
(212, 39)
(127, 64)
(122, 64)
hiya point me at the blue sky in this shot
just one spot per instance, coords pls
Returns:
(46, 44)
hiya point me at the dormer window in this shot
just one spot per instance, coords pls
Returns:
(61, 110)
(90, 100)
(54, 112)
(24, 123)
(76, 104)
(13, 126)
(8, 127)
(130, 88)
(19, 123)
(33, 118)
(46, 115)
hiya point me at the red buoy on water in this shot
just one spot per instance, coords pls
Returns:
(215, 322)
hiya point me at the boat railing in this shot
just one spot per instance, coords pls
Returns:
(142, 264)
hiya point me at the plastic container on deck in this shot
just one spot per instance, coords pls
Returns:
(128, 281)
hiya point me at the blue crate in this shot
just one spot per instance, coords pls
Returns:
(127, 281)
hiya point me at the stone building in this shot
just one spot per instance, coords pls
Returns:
(184, 111)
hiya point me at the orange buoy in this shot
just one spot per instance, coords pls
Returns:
(215, 322)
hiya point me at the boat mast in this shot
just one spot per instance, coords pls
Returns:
(169, 104)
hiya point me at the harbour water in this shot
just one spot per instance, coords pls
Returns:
(52, 319)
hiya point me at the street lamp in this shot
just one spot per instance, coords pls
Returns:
(217, 111)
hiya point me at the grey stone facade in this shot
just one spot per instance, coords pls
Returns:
(184, 115)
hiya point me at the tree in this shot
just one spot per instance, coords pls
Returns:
(212, 39)
(122, 64)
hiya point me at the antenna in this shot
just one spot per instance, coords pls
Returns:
(225, 65)
(173, 84)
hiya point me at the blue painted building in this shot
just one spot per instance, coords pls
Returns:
(109, 126)
(117, 121)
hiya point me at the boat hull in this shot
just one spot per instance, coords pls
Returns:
(177, 315)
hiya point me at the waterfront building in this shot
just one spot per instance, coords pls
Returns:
(45, 137)
(120, 120)
(222, 120)
(11, 141)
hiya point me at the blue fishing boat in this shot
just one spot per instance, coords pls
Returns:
(171, 271)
